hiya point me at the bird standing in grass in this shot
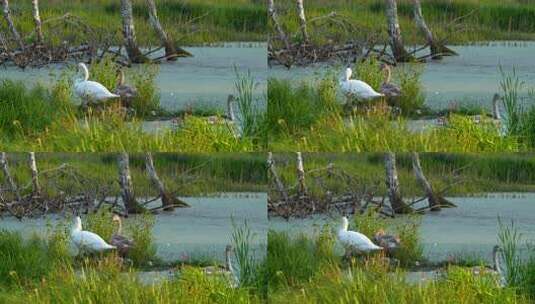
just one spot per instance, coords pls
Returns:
(387, 88)
(90, 91)
(127, 92)
(86, 240)
(355, 241)
(123, 244)
(357, 88)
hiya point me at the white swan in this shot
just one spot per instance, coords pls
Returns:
(86, 240)
(355, 241)
(90, 91)
(357, 88)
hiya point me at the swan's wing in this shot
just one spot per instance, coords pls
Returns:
(92, 89)
(357, 240)
(92, 241)
(359, 88)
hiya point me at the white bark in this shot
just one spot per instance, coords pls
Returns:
(37, 21)
(302, 20)
(36, 188)
(5, 169)
(301, 176)
(11, 24)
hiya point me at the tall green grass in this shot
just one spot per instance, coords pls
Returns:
(407, 229)
(26, 112)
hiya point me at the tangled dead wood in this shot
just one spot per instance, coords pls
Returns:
(331, 189)
(65, 189)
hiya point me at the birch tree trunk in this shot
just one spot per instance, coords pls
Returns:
(394, 32)
(11, 25)
(129, 33)
(169, 201)
(302, 20)
(437, 50)
(392, 184)
(127, 189)
(36, 187)
(276, 23)
(276, 178)
(301, 187)
(171, 52)
(37, 21)
(5, 169)
(435, 201)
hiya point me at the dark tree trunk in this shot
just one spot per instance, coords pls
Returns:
(127, 189)
(436, 202)
(129, 33)
(276, 178)
(396, 42)
(169, 201)
(392, 184)
(171, 51)
(437, 49)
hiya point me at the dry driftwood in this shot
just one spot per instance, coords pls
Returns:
(169, 200)
(127, 188)
(356, 197)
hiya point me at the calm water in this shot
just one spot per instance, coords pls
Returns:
(200, 231)
(204, 80)
(469, 230)
(471, 78)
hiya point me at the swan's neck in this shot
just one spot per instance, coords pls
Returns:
(230, 108)
(228, 262)
(388, 75)
(120, 227)
(77, 226)
(85, 72)
(120, 81)
(496, 108)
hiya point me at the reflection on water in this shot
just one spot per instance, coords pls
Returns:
(468, 230)
(200, 231)
(204, 80)
(471, 78)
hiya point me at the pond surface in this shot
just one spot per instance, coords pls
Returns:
(470, 78)
(201, 231)
(470, 230)
(202, 81)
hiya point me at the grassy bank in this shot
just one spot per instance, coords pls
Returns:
(42, 270)
(463, 174)
(308, 268)
(42, 119)
(311, 116)
(455, 21)
(190, 22)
